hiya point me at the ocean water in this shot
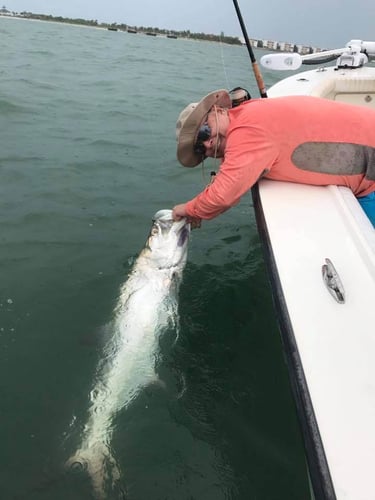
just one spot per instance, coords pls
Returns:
(87, 121)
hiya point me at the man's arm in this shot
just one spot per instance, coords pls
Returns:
(248, 155)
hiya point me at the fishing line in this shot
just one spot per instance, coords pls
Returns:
(206, 182)
(223, 62)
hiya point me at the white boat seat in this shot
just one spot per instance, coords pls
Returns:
(353, 90)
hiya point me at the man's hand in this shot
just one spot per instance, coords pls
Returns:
(179, 211)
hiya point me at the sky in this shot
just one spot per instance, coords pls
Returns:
(319, 23)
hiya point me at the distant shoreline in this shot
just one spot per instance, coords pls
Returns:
(21, 18)
(230, 40)
(267, 45)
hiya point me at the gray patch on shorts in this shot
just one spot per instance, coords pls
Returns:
(336, 158)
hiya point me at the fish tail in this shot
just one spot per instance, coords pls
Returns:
(99, 463)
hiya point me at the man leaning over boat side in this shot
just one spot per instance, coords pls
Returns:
(302, 139)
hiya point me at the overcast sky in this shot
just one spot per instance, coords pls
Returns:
(321, 23)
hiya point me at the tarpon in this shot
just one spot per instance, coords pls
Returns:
(147, 305)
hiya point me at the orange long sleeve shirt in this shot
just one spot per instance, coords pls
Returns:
(300, 139)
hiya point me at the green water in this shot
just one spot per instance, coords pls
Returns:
(87, 120)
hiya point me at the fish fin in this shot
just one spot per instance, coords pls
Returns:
(158, 382)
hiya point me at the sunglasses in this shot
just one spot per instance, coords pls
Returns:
(204, 133)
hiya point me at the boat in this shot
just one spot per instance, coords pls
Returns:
(112, 28)
(150, 33)
(172, 36)
(131, 30)
(319, 249)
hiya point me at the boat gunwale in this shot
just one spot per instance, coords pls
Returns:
(318, 466)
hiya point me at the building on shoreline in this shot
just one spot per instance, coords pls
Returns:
(5, 12)
(284, 46)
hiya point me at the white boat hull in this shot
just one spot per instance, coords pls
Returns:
(330, 346)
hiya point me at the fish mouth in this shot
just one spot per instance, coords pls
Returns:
(163, 215)
(168, 238)
(163, 219)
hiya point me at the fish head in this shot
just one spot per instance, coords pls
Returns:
(168, 240)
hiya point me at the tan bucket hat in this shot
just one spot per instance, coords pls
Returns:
(190, 120)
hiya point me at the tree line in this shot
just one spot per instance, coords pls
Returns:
(142, 29)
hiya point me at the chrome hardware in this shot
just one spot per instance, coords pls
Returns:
(333, 282)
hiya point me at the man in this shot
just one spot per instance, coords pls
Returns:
(296, 138)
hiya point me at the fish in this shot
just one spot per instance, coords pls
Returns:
(147, 306)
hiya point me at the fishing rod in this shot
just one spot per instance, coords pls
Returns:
(256, 70)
